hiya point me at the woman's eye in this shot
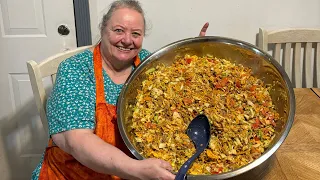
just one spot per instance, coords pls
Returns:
(136, 34)
(118, 30)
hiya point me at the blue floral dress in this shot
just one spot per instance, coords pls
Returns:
(71, 104)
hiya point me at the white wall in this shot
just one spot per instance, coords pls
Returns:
(171, 20)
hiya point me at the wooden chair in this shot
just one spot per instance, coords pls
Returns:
(46, 68)
(298, 51)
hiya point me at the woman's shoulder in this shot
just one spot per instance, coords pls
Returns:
(79, 59)
(143, 54)
(80, 64)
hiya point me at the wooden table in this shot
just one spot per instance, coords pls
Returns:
(299, 156)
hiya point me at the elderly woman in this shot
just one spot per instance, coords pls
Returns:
(85, 142)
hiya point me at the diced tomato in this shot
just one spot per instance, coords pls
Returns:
(224, 82)
(175, 110)
(217, 172)
(218, 85)
(258, 121)
(256, 138)
(187, 101)
(188, 82)
(256, 124)
(238, 84)
(254, 95)
(232, 103)
(243, 75)
(147, 98)
(265, 131)
(188, 60)
(253, 87)
(183, 70)
(148, 124)
(211, 60)
(153, 125)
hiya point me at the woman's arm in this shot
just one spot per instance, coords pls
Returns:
(94, 153)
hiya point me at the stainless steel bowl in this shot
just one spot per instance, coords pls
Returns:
(239, 52)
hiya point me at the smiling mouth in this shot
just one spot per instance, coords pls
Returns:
(124, 49)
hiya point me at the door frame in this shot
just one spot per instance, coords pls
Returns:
(82, 22)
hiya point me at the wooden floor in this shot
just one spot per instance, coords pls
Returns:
(299, 156)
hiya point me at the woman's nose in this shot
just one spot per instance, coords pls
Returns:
(127, 39)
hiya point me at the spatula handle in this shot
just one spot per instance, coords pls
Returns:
(185, 167)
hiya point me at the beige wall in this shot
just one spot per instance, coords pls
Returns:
(171, 20)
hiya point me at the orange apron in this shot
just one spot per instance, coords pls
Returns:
(59, 165)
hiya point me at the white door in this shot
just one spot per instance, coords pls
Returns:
(28, 31)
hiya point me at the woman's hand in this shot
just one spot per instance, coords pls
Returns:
(93, 152)
(154, 169)
(204, 29)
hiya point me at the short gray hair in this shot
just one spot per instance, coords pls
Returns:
(118, 4)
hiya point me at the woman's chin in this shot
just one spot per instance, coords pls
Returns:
(125, 59)
(125, 56)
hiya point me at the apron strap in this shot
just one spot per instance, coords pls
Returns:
(97, 63)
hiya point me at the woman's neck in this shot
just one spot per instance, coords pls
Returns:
(117, 72)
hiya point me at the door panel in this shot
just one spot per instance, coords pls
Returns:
(30, 23)
(28, 31)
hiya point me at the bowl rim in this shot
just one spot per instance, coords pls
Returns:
(224, 40)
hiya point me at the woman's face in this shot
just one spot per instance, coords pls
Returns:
(122, 38)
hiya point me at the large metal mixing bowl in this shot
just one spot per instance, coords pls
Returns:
(262, 65)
